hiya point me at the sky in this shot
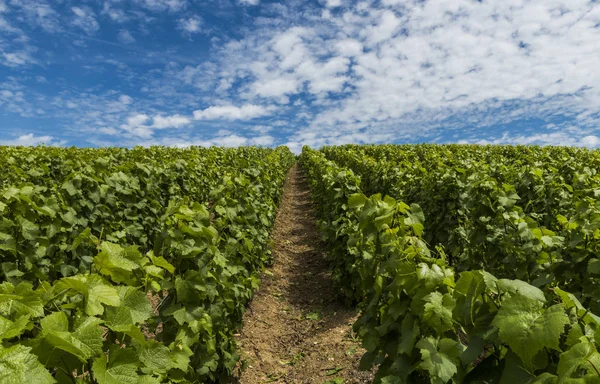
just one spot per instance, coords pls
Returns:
(320, 72)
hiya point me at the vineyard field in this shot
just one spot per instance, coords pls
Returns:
(472, 264)
(131, 266)
(392, 264)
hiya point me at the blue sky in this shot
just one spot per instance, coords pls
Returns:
(258, 72)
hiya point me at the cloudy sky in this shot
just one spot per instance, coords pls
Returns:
(259, 72)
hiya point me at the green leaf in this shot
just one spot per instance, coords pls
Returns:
(594, 266)
(571, 301)
(432, 275)
(10, 329)
(522, 288)
(410, 331)
(29, 230)
(19, 366)
(120, 367)
(69, 187)
(514, 371)
(357, 200)
(156, 357)
(469, 290)
(577, 356)
(117, 262)
(334, 371)
(438, 311)
(527, 327)
(181, 354)
(439, 357)
(95, 290)
(84, 343)
(20, 300)
(161, 262)
(134, 309)
(315, 315)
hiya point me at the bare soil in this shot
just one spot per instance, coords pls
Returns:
(296, 329)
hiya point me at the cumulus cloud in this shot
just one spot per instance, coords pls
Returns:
(542, 138)
(399, 68)
(15, 59)
(190, 25)
(175, 121)
(139, 125)
(163, 5)
(336, 71)
(125, 37)
(234, 140)
(5, 26)
(231, 112)
(115, 14)
(125, 100)
(38, 13)
(30, 140)
(85, 19)
(333, 3)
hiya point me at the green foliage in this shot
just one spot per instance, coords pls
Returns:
(422, 324)
(523, 212)
(131, 266)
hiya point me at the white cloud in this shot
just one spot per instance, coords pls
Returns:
(233, 140)
(125, 37)
(264, 141)
(249, 2)
(175, 121)
(138, 125)
(387, 25)
(30, 140)
(85, 19)
(349, 47)
(125, 100)
(191, 25)
(571, 136)
(115, 14)
(38, 13)
(5, 26)
(15, 59)
(590, 141)
(230, 112)
(397, 69)
(163, 5)
(3, 7)
(333, 3)
(370, 71)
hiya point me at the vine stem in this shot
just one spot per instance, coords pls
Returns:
(593, 366)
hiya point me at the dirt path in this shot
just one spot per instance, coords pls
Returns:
(296, 330)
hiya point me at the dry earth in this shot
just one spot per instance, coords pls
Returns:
(296, 329)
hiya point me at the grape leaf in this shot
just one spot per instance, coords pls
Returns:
(84, 343)
(119, 367)
(156, 357)
(95, 290)
(19, 366)
(10, 329)
(527, 327)
(134, 309)
(581, 354)
(439, 357)
(438, 311)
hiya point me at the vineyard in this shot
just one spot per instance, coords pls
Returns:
(466, 264)
(471, 264)
(131, 266)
